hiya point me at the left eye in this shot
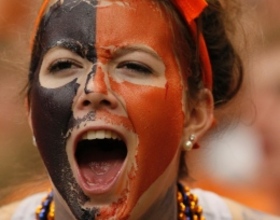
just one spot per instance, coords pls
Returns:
(135, 67)
(62, 65)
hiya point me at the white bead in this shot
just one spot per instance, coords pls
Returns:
(188, 145)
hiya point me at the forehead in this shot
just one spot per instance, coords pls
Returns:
(106, 23)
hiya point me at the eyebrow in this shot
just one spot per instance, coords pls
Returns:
(128, 49)
(72, 45)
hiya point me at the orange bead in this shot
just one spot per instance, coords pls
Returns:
(179, 197)
(181, 216)
(182, 207)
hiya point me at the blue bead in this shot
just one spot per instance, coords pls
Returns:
(45, 207)
(185, 198)
(46, 203)
(42, 215)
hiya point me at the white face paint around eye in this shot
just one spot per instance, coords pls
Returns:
(135, 63)
(61, 66)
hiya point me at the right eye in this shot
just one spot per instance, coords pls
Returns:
(63, 65)
(135, 67)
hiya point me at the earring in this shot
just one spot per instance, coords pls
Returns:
(34, 141)
(189, 143)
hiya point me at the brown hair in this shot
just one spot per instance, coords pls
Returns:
(215, 25)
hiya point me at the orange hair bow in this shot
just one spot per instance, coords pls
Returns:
(191, 9)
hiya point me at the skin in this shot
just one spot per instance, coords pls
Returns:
(100, 89)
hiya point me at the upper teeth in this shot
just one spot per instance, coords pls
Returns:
(100, 134)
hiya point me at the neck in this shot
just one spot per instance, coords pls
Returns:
(61, 212)
(165, 208)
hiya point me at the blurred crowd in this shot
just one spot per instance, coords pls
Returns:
(240, 158)
(19, 159)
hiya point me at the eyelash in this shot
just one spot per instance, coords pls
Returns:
(135, 67)
(61, 65)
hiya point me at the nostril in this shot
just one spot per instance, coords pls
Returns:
(102, 102)
(86, 103)
(98, 100)
(105, 102)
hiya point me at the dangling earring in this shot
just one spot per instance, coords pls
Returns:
(34, 141)
(189, 143)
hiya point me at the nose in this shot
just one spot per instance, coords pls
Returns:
(98, 101)
(97, 93)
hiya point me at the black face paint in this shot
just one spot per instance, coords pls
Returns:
(75, 122)
(73, 23)
(91, 76)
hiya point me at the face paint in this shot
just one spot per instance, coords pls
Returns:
(133, 65)
(156, 115)
(51, 108)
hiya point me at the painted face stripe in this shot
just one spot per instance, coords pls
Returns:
(139, 99)
(52, 108)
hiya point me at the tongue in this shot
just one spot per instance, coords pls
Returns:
(100, 160)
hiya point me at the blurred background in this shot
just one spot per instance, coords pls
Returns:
(240, 157)
(19, 160)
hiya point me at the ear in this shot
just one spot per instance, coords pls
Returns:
(28, 113)
(200, 116)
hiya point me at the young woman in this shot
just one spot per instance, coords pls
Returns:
(119, 90)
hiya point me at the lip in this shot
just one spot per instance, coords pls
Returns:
(91, 188)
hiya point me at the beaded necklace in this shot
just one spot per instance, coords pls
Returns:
(188, 208)
(45, 211)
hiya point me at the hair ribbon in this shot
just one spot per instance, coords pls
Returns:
(191, 10)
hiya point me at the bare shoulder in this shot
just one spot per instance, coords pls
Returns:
(7, 211)
(241, 212)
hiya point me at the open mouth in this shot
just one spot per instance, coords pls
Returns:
(100, 156)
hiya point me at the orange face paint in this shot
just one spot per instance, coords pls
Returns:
(156, 113)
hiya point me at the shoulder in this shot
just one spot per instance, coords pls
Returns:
(22, 210)
(219, 208)
(214, 207)
(241, 212)
(7, 211)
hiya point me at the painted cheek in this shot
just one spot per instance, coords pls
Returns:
(158, 121)
(51, 111)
